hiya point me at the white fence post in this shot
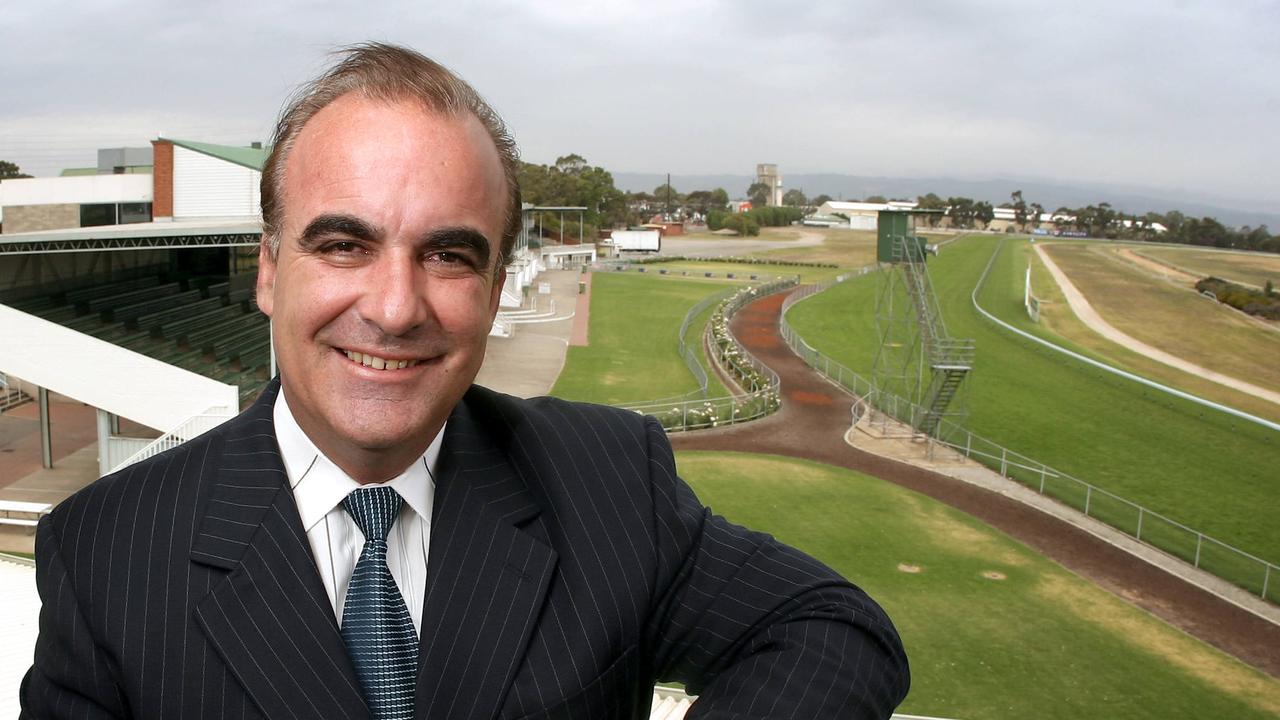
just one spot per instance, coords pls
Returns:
(1139, 535)
(1199, 543)
(1088, 495)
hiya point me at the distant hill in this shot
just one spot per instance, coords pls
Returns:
(995, 191)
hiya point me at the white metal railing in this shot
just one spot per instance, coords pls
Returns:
(187, 429)
(12, 394)
(120, 448)
(1202, 551)
(759, 382)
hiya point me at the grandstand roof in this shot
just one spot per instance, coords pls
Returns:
(185, 233)
(106, 376)
(250, 157)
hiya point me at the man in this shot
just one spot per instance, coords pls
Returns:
(376, 537)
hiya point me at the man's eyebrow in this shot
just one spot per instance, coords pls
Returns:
(460, 237)
(329, 225)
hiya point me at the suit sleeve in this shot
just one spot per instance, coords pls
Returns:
(71, 677)
(758, 629)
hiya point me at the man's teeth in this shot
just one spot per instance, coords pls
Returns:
(378, 363)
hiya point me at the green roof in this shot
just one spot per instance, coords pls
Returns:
(252, 158)
(129, 170)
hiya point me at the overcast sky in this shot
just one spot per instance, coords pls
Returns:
(1179, 97)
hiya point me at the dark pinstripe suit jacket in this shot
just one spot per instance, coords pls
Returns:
(569, 568)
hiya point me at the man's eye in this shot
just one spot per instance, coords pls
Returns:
(343, 247)
(447, 257)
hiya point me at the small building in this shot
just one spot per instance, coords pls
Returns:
(861, 215)
(60, 203)
(197, 180)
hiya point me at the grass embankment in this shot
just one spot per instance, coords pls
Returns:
(1199, 467)
(846, 248)
(1247, 268)
(633, 355)
(742, 272)
(1171, 318)
(779, 234)
(992, 629)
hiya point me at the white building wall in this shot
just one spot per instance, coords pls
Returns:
(206, 187)
(77, 190)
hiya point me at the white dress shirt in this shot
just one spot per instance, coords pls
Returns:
(319, 487)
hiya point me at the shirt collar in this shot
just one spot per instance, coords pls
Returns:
(319, 485)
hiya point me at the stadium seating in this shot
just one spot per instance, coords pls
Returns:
(196, 323)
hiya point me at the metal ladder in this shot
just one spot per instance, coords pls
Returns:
(949, 359)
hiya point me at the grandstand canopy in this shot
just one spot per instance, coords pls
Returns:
(106, 376)
(134, 236)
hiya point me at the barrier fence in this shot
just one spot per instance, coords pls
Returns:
(1202, 551)
(758, 381)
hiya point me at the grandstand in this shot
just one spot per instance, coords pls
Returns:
(197, 322)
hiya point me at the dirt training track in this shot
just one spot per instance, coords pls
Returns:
(811, 424)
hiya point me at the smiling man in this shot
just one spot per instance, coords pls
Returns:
(379, 538)
(385, 277)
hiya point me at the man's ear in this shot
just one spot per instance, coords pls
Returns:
(265, 294)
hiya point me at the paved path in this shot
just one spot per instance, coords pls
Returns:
(812, 424)
(1090, 317)
(528, 363)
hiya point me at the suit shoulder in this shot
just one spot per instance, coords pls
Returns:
(549, 415)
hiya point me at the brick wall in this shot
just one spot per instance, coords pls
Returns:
(28, 218)
(162, 179)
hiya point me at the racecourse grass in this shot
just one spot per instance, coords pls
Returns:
(775, 234)
(633, 355)
(1197, 466)
(1170, 317)
(847, 248)
(742, 272)
(1058, 323)
(1246, 268)
(1038, 643)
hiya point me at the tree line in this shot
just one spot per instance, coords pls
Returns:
(572, 181)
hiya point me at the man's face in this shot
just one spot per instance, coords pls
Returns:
(384, 287)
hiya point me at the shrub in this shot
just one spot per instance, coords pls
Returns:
(1262, 303)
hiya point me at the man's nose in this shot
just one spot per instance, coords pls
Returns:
(395, 299)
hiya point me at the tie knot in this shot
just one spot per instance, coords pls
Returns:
(374, 509)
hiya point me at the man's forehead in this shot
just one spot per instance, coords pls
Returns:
(393, 140)
(353, 116)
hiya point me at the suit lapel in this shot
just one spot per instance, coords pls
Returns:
(269, 617)
(487, 577)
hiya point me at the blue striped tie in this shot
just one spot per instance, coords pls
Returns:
(375, 620)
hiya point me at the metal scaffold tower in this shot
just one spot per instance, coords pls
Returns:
(917, 360)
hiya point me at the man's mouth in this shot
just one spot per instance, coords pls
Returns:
(377, 363)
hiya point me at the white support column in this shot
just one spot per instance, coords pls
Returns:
(46, 437)
(104, 442)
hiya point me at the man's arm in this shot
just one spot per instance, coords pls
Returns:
(756, 628)
(71, 677)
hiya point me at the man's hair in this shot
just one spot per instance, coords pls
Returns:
(386, 73)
